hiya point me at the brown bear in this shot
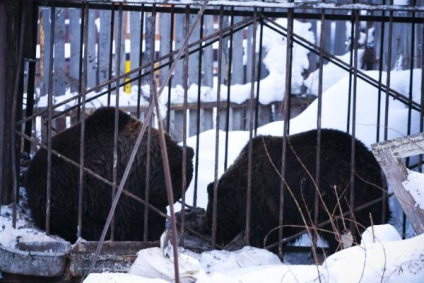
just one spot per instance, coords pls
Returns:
(97, 196)
(335, 180)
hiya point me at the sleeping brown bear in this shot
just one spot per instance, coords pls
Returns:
(97, 197)
(335, 186)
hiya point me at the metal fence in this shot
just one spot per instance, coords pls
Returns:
(232, 58)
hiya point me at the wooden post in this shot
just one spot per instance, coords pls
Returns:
(11, 13)
(389, 154)
(75, 41)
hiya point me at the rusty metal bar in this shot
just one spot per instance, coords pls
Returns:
(354, 101)
(168, 182)
(251, 128)
(184, 136)
(229, 81)
(112, 32)
(116, 121)
(380, 79)
(80, 60)
(31, 80)
(259, 4)
(170, 61)
(197, 150)
(218, 107)
(258, 77)
(149, 134)
(12, 124)
(286, 130)
(318, 152)
(140, 61)
(83, 84)
(49, 122)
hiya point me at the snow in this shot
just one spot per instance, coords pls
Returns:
(415, 186)
(25, 232)
(387, 260)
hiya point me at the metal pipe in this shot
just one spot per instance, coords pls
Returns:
(251, 128)
(49, 119)
(286, 108)
(217, 124)
(83, 85)
(197, 155)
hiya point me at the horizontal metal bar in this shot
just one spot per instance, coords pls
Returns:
(262, 4)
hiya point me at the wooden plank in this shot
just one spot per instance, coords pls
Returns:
(340, 47)
(75, 44)
(104, 45)
(135, 33)
(237, 118)
(193, 69)
(177, 125)
(165, 41)
(389, 154)
(114, 256)
(59, 54)
(264, 115)
(180, 33)
(238, 51)
(150, 30)
(206, 119)
(249, 60)
(193, 122)
(208, 54)
(91, 51)
(225, 53)
(119, 33)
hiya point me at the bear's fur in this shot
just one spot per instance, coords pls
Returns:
(300, 173)
(97, 196)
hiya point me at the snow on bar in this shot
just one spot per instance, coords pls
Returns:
(399, 6)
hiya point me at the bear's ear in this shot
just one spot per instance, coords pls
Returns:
(210, 188)
(189, 152)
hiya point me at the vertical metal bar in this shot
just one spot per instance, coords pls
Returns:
(420, 157)
(258, 77)
(13, 120)
(184, 163)
(82, 137)
(411, 71)
(112, 33)
(49, 118)
(218, 107)
(151, 39)
(227, 114)
(389, 66)
(251, 127)
(318, 153)
(355, 80)
(199, 83)
(31, 81)
(380, 74)
(116, 125)
(287, 92)
(140, 62)
(167, 180)
(171, 39)
(80, 58)
(349, 99)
